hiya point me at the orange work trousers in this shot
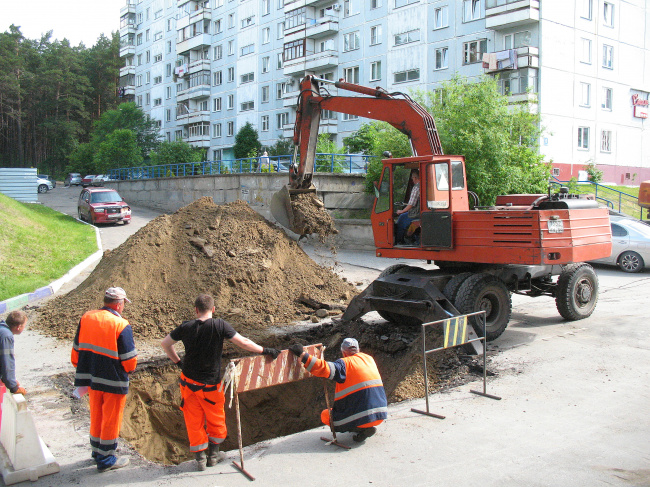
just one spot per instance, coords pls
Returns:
(205, 417)
(106, 410)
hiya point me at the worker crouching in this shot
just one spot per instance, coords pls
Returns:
(359, 397)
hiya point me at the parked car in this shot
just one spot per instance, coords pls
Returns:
(87, 180)
(73, 178)
(99, 180)
(49, 178)
(630, 244)
(44, 185)
(102, 205)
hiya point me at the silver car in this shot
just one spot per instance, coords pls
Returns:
(630, 244)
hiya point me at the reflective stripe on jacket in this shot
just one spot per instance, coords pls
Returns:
(359, 396)
(104, 352)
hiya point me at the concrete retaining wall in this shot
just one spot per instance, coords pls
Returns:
(342, 194)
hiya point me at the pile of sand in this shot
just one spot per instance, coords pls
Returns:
(252, 268)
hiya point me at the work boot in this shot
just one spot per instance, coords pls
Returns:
(119, 463)
(364, 433)
(201, 460)
(213, 454)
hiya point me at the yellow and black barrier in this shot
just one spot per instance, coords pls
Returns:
(455, 333)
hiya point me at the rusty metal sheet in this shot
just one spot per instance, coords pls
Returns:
(261, 371)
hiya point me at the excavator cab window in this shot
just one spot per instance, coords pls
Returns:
(383, 198)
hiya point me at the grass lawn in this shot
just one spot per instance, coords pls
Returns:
(38, 245)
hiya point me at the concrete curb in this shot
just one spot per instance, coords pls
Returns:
(19, 301)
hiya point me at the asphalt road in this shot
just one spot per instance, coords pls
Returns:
(573, 411)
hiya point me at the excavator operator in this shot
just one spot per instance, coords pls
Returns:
(411, 211)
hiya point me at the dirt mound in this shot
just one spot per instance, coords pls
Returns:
(255, 272)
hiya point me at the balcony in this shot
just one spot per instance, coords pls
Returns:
(317, 28)
(127, 70)
(128, 90)
(295, 66)
(198, 15)
(127, 50)
(129, 8)
(199, 141)
(511, 59)
(328, 126)
(290, 100)
(199, 65)
(196, 42)
(287, 131)
(510, 13)
(194, 93)
(322, 60)
(195, 116)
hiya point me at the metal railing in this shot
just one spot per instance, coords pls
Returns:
(325, 163)
(616, 200)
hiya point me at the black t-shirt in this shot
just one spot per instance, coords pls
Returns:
(203, 342)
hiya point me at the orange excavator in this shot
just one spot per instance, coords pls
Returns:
(529, 244)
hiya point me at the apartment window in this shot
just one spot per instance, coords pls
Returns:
(402, 3)
(473, 51)
(178, 135)
(606, 141)
(351, 41)
(471, 10)
(347, 117)
(587, 9)
(280, 60)
(518, 39)
(327, 115)
(231, 21)
(266, 35)
(265, 94)
(157, 80)
(217, 26)
(556, 172)
(351, 75)
(140, 18)
(607, 99)
(407, 37)
(138, 40)
(280, 30)
(283, 119)
(248, 21)
(249, 49)
(157, 102)
(410, 75)
(147, 55)
(375, 71)
(168, 92)
(266, 7)
(265, 123)
(266, 64)
(157, 58)
(169, 25)
(608, 14)
(231, 74)
(295, 18)
(147, 99)
(281, 89)
(147, 35)
(139, 60)
(168, 118)
(217, 78)
(441, 58)
(231, 48)
(216, 130)
(608, 54)
(375, 4)
(169, 46)
(375, 35)
(583, 137)
(148, 13)
(158, 35)
(147, 77)
(139, 100)
(231, 129)
(585, 95)
(216, 104)
(247, 105)
(294, 50)
(585, 57)
(247, 78)
(441, 17)
(518, 81)
(231, 102)
(218, 52)
(350, 7)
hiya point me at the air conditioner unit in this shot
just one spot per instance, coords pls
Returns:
(336, 7)
(291, 81)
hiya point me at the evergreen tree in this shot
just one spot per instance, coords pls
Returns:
(247, 142)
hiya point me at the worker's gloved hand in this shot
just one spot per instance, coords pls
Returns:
(297, 349)
(271, 352)
(179, 364)
(20, 390)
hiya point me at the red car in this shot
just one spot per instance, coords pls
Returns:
(103, 205)
(87, 180)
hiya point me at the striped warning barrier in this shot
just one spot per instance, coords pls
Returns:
(455, 331)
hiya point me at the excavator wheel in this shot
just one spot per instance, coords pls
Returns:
(485, 292)
(577, 291)
(394, 317)
(451, 288)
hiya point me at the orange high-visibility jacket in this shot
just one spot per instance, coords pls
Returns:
(359, 396)
(104, 352)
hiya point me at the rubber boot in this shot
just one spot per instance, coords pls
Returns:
(200, 460)
(213, 454)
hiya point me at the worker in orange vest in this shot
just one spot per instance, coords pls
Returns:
(359, 397)
(104, 354)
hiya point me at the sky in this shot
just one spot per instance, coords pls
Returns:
(76, 20)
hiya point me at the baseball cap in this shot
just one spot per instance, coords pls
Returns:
(116, 293)
(350, 345)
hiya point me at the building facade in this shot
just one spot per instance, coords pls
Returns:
(204, 68)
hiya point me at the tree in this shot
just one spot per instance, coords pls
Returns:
(328, 163)
(282, 147)
(120, 149)
(246, 142)
(178, 152)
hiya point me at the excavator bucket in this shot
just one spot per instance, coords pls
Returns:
(283, 211)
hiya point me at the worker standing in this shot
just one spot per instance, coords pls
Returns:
(104, 354)
(202, 396)
(15, 324)
(359, 397)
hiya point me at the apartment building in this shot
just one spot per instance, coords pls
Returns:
(203, 68)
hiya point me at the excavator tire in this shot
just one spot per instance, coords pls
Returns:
(394, 317)
(576, 294)
(485, 292)
(451, 288)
